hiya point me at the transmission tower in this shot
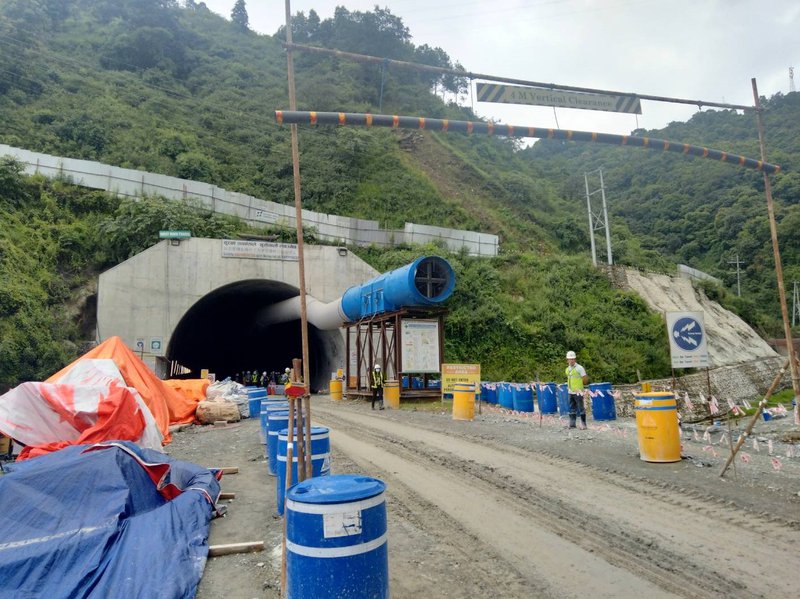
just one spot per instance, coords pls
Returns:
(795, 304)
(738, 263)
(791, 79)
(598, 220)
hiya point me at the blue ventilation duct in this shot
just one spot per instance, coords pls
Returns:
(427, 281)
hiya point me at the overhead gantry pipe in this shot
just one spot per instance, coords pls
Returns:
(478, 127)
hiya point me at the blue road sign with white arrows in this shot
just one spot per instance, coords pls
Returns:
(687, 340)
(687, 334)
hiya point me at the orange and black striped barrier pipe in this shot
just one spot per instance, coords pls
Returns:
(479, 127)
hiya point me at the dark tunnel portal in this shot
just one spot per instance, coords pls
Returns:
(219, 332)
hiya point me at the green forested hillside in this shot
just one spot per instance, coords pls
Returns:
(699, 212)
(170, 87)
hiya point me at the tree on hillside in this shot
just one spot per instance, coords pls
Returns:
(239, 16)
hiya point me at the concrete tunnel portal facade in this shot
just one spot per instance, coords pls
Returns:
(202, 302)
(223, 333)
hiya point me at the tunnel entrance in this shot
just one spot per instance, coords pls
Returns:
(220, 332)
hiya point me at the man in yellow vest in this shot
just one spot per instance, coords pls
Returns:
(377, 385)
(576, 379)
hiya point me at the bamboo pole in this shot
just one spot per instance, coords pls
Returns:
(297, 366)
(773, 229)
(734, 450)
(299, 221)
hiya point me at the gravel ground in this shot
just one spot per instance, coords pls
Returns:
(514, 506)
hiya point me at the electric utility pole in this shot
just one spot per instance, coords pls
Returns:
(738, 263)
(598, 220)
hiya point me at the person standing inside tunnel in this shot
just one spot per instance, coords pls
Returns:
(377, 386)
(576, 379)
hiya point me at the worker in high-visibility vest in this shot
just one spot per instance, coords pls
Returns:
(576, 379)
(377, 386)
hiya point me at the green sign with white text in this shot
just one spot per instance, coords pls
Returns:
(174, 234)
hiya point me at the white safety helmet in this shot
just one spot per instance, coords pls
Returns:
(570, 355)
(377, 366)
(287, 370)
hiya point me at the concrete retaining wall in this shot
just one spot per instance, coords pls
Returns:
(345, 230)
(749, 381)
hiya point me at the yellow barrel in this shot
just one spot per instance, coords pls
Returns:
(657, 427)
(336, 390)
(391, 394)
(463, 401)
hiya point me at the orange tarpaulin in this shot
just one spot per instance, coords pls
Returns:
(193, 390)
(167, 405)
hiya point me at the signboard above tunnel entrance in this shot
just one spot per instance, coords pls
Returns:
(258, 250)
(514, 94)
(174, 234)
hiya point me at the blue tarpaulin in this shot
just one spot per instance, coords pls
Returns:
(107, 520)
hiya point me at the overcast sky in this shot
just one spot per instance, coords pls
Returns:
(694, 49)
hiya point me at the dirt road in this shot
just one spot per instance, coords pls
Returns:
(508, 507)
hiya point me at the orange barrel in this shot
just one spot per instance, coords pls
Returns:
(657, 427)
(336, 390)
(463, 401)
(391, 394)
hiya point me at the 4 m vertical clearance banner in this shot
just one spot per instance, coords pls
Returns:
(514, 94)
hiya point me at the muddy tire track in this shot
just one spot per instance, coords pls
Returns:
(653, 534)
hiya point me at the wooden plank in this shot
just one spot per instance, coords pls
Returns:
(226, 469)
(217, 550)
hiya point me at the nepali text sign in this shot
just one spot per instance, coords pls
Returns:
(460, 373)
(514, 94)
(259, 250)
(687, 340)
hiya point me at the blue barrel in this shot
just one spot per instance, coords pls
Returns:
(437, 384)
(603, 406)
(268, 406)
(336, 539)
(262, 417)
(523, 398)
(491, 393)
(405, 382)
(546, 394)
(562, 395)
(418, 383)
(320, 458)
(278, 421)
(254, 397)
(505, 396)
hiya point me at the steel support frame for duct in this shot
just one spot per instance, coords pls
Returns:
(598, 220)
(378, 340)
